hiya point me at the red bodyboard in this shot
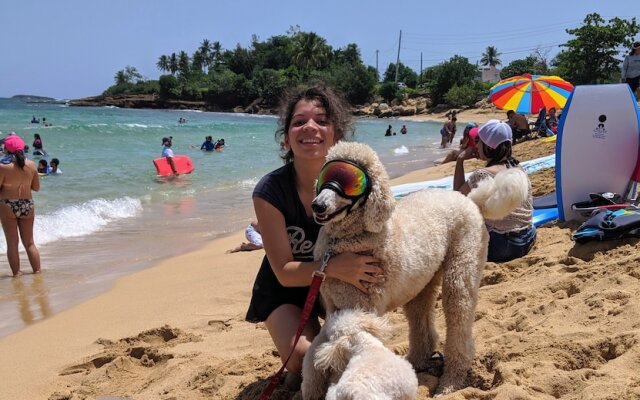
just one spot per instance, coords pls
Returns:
(184, 165)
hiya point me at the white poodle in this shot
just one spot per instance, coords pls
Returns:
(356, 362)
(428, 237)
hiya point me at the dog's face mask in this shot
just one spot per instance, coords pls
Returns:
(341, 186)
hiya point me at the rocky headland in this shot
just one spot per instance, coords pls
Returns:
(408, 107)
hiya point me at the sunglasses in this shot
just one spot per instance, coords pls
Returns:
(348, 178)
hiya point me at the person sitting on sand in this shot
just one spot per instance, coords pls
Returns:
(53, 167)
(552, 120)
(519, 125)
(311, 120)
(513, 236)
(43, 167)
(469, 136)
(252, 233)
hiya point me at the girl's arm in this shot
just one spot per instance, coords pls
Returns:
(349, 267)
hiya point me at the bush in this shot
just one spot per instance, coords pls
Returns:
(390, 91)
(169, 87)
(466, 95)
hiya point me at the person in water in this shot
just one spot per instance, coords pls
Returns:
(53, 167)
(219, 145)
(311, 120)
(167, 142)
(208, 144)
(38, 147)
(43, 167)
(18, 179)
(35, 120)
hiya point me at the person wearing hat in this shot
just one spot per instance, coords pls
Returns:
(468, 140)
(18, 179)
(631, 68)
(168, 153)
(513, 236)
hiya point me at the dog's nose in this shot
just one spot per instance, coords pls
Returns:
(318, 208)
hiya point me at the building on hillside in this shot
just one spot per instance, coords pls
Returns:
(489, 73)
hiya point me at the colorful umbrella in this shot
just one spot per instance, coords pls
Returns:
(527, 94)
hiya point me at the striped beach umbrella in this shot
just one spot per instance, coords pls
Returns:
(527, 94)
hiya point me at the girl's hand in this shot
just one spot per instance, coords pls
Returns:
(355, 269)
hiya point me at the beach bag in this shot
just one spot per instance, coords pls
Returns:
(609, 224)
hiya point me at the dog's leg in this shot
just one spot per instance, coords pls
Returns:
(420, 313)
(462, 272)
(314, 381)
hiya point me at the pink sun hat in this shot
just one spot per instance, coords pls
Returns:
(13, 143)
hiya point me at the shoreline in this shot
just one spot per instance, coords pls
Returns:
(204, 291)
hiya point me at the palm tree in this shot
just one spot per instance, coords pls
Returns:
(216, 52)
(310, 51)
(205, 53)
(173, 63)
(183, 63)
(490, 57)
(163, 63)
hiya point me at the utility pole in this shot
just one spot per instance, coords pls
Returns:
(398, 58)
(420, 77)
(377, 71)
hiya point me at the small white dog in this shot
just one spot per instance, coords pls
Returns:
(428, 238)
(357, 363)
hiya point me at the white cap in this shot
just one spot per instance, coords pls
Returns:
(495, 132)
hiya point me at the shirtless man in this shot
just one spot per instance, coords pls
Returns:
(18, 178)
(519, 125)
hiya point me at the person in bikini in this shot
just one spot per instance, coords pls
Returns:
(18, 178)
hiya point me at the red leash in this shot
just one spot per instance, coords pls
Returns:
(318, 278)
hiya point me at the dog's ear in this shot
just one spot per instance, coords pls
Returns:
(376, 326)
(333, 354)
(380, 203)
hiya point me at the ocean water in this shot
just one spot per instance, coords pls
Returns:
(108, 215)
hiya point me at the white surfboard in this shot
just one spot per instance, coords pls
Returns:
(597, 146)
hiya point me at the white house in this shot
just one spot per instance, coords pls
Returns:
(489, 73)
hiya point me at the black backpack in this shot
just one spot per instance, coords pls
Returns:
(609, 224)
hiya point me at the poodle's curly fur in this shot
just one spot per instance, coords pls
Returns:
(428, 237)
(356, 362)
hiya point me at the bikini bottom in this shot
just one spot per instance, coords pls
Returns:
(20, 207)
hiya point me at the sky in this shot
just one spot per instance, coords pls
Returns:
(69, 49)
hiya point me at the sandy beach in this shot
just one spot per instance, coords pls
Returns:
(561, 322)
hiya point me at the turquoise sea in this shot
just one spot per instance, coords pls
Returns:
(107, 215)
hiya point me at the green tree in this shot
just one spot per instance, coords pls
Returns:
(163, 63)
(216, 52)
(173, 63)
(591, 57)
(274, 53)
(405, 75)
(528, 65)
(205, 52)
(169, 87)
(184, 64)
(128, 75)
(491, 57)
(310, 51)
(457, 71)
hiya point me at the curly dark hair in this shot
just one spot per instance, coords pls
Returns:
(499, 155)
(336, 106)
